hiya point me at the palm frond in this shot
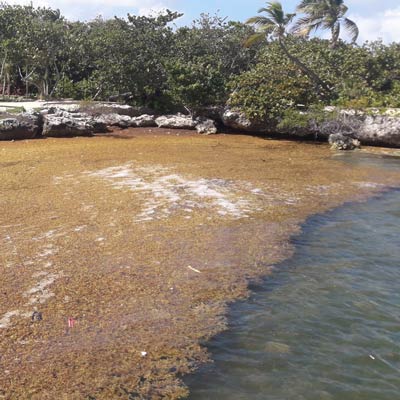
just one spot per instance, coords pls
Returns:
(275, 11)
(289, 18)
(302, 23)
(305, 4)
(352, 28)
(254, 39)
(259, 20)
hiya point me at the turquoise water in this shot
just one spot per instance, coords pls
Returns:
(326, 324)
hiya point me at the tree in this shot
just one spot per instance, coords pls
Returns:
(273, 86)
(128, 55)
(32, 40)
(206, 56)
(275, 26)
(43, 42)
(325, 14)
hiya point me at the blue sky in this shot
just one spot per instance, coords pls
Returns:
(375, 18)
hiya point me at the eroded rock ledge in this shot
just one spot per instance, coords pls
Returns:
(65, 120)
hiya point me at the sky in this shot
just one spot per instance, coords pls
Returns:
(376, 19)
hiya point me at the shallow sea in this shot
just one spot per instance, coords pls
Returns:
(326, 323)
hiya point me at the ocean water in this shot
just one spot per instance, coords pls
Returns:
(326, 324)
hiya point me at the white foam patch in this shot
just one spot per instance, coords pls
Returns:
(80, 228)
(5, 321)
(40, 293)
(51, 234)
(41, 286)
(47, 250)
(369, 185)
(37, 294)
(168, 193)
(322, 190)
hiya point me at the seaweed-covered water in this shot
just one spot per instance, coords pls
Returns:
(326, 325)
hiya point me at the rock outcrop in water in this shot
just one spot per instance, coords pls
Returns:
(342, 142)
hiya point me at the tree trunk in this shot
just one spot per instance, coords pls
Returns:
(26, 83)
(335, 35)
(310, 73)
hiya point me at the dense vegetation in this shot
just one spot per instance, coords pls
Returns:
(266, 67)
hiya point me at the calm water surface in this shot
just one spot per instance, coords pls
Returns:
(326, 325)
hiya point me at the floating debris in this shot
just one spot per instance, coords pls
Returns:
(277, 347)
(71, 322)
(37, 316)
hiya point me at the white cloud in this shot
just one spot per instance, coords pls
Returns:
(100, 3)
(77, 9)
(384, 25)
(152, 9)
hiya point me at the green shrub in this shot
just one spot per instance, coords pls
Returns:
(311, 119)
(272, 87)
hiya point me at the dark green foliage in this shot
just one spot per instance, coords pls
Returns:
(274, 85)
(205, 64)
(359, 77)
(206, 57)
(308, 121)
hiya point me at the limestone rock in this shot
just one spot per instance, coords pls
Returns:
(178, 121)
(144, 121)
(380, 130)
(342, 142)
(236, 120)
(372, 126)
(20, 126)
(206, 126)
(113, 119)
(99, 126)
(65, 124)
(54, 107)
(121, 109)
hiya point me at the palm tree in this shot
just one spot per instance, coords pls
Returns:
(274, 25)
(325, 14)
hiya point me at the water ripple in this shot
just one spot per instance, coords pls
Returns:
(326, 325)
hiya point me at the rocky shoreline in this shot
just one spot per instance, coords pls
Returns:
(72, 119)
